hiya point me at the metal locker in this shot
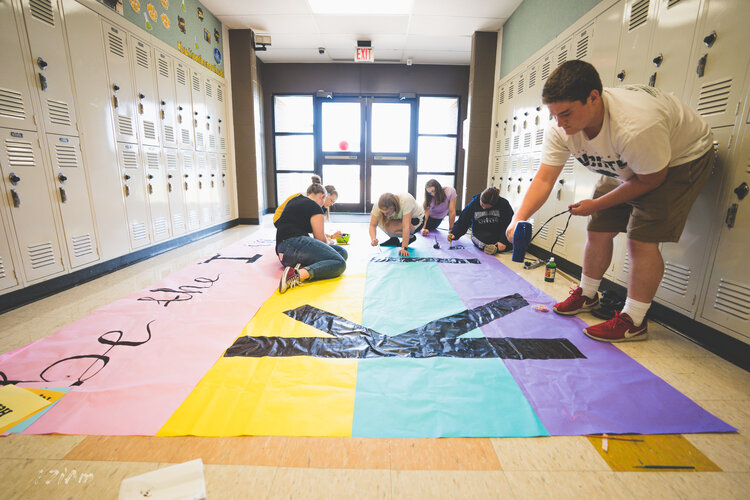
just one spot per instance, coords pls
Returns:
(50, 62)
(204, 190)
(221, 117)
(27, 193)
(635, 40)
(175, 192)
(183, 100)
(145, 91)
(209, 87)
(16, 110)
(73, 198)
(514, 179)
(215, 186)
(121, 84)
(8, 276)
(166, 96)
(580, 43)
(199, 111)
(719, 61)
(225, 193)
(564, 195)
(727, 302)
(134, 193)
(156, 192)
(562, 53)
(605, 41)
(190, 189)
(496, 172)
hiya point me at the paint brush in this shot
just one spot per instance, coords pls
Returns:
(663, 467)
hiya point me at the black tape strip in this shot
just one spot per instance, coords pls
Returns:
(439, 260)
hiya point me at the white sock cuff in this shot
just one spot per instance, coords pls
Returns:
(636, 310)
(589, 286)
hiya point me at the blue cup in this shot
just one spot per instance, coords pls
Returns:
(521, 240)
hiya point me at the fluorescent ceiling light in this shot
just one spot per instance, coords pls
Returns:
(361, 7)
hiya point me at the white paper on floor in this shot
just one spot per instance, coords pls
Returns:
(178, 482)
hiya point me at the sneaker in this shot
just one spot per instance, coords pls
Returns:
(391, 242)
(289, 279)
(618, 329)
(577, 302)
(490, 249)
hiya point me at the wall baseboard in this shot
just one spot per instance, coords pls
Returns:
(719, 343)
(32, 293)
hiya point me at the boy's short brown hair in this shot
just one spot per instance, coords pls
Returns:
(571, 81)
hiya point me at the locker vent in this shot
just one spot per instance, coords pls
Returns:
(152, 159)
(181, 76)
(178, 222)
(560, 239)
(129, 159)
(223, 163)
(626, 264)
(510, 91)
(539, 137)
(532, 78)
(222, 144)
(506, 144)
(544, 232)
(187, 161)
(219, 94)
(171, 161)
(202, 162)
(211, 141)
(41, 255)
(168, 133)
(535, 164)
(2, 269)
(163, 68)
(498, 147)
(196, 83)
(82, 245)
(20, 154)
(568, 168)
(149, 130)
(59, 113)
(125, 125)
(582, 50)
(562, 56)
(520, 85)
(138, 230)
(42, 10)
(209, 89)
(524, 166)
(515, 142)
(545, 69)
(161, 226)
(733, 299)
(199, 139)
(11, 104)
(141, 57)
(227, 211)
(638, 14)
(185, 136)
(501, 97)
(527, 140)
(116, 45)
(672, 3)
(66, 156)
(714, 97)
(193, 218)
(676, 278)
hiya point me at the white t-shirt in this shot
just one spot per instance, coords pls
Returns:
(406, 203)
(644, 130)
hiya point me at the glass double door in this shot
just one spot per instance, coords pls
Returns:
(365, 148)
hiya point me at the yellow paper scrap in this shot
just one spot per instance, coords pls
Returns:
(17, 404)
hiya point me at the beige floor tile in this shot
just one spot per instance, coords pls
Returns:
(686, 485)
(731, 452)
(336, 453)
(420, 485)
(55, 447)
(564, 485)
(559, 453)
(330, 484)
(238, 481)
(443, 454)
(736, 413)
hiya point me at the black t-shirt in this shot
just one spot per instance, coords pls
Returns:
(295, 219)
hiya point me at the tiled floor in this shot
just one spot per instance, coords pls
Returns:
(284, 467)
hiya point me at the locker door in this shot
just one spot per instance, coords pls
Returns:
(28, 197)
(580, 44)
(204, 190)
(156, 193)
(719, 60)
(134, 190)
(73, 197)
(190, 189)
(225, 193)
(50, 62)
(145, 91)
(16, 110)
(209, 86)
(669, 58)
(175, 193)
(199, 112)
(167, 107)
(221, 117)
(8, 276)
(184, 103)
(605, 41)
(121, 85)
(562, 53)
(635, 41)
(494, 173)
(513, 186)
(215, 186)
(728, 298)
(564, 195)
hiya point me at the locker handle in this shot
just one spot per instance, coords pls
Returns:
(150, 176)
(161, 112)
(115, 101)
(652, 80)
(41, 63)
(13, 178)
(150, 189)
(621, 75)
(140, 108)
(63, 195)
(186, 186)
(141, 96)
(710, 39)
(559, 194)
(42, 82)
(126, 177)
(62, 178)
(658, 60)
(179, 118)
(169, 187)
(127, 190)
(731, 215)
(115, 87)
(16, 198)
(701, 69)
(741, 191)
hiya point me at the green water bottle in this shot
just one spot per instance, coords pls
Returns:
(550, 270)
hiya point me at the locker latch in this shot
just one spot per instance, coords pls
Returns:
(42, 82)
(16, 198)
(61, 178)
(658, 60)
(63, 195)
(13, 178)
(710, 39)
(41, 63)
(731, 215)
(652, 80)
(742, 190)
(621, 75)
(701, 69)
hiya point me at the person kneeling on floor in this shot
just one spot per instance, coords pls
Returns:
(396, 215)
(488, 214)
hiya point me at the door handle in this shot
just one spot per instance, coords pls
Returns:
(13, 178)
(701, 69)
(63, 195)
(42, 82)
(16, 198)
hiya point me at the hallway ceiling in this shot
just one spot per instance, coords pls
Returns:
(423, 31)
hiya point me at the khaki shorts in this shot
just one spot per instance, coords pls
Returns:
(659, 215)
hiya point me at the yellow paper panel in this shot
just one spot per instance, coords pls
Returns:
(18, 404)
(632, 452)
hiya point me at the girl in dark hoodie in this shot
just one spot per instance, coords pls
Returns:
(488, 215)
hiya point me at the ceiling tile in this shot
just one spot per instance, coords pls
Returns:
(438, 57)
(255, 7)
(466, 8)
(362, 25)
(452, 26)
(450, 43)
(270, 24)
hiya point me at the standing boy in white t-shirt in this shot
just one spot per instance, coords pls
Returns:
(654, 153)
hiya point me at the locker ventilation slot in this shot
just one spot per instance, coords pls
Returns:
(82, 245)
(193, 218)
(638, 14)
(498, 147)
(520, 86)
(196, 83)
(199, 139)
(223, 144)
(2, 269)
(672, 3)
(535, 164)
(66, 156)
(501, 97)
(733, 299)
(20, 154)
(171, 161)
(152, 160)
(212, 142)
(510, 91)
(138, 229)
(227, 211)
(161, 226)
(626, 265)
(11, 104)
(125, 125)
(544, 232)
(545, 69)
(187, 162)
(149, 130)
(560, 239)
(185, 136)
(41, 255)
(202, 162)
(116, 45)
(527, 140)
(515, 142)
(224, 164)
(568, 168)
(163, 68)
(676, 278)
(506, 144)
(539, 137)
(582, 50)
(532, 78)
(747, 169)
(168, 133)
(714, 97)
(181, 77)
(141, 57)
(562, 56)
(129, 159)
(219, 94)
(178, 222)
(206, 214)
(59, 113)
(209, 89)
(42, 10)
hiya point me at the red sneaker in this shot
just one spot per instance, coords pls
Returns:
(577, 302)
(289, 279)
(618, 329)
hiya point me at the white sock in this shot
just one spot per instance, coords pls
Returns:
(636, 310)
(589, 286)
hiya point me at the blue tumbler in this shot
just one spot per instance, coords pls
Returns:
(521, 240)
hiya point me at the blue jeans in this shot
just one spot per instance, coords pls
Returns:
(321, 260)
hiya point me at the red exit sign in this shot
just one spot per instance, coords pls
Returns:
(364, 54)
